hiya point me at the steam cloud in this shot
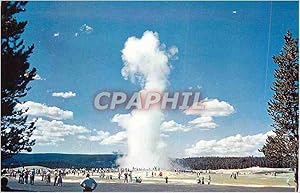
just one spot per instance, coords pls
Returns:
(146, 61)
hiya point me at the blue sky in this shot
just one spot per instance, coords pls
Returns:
(223, 48)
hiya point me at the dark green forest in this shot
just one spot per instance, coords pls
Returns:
(55, 160)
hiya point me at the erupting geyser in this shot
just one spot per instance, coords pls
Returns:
(146, 61)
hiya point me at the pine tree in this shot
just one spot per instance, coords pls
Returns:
(284, 109)
(15, 76)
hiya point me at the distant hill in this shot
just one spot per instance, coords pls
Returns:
(57, 160)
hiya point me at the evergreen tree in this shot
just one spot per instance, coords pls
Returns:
(284, 109)
(15, 76)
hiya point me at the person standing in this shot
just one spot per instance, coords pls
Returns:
(235, 176)
(55, 177)
(32, 175)
(88, 184)
(43, 174)
(48, 177)
(125, 177)
(26, 175)
(59, 179)
(21, 177)
(209, 180)
(130, 176)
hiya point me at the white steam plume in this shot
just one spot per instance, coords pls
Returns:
(147, 61)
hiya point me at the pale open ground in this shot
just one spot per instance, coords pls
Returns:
(251, 179)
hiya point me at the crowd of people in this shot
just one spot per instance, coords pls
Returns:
(55, 176)
(27, 176)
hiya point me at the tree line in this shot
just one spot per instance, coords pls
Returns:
(214, 163)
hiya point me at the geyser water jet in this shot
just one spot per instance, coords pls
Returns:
(146, 61)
